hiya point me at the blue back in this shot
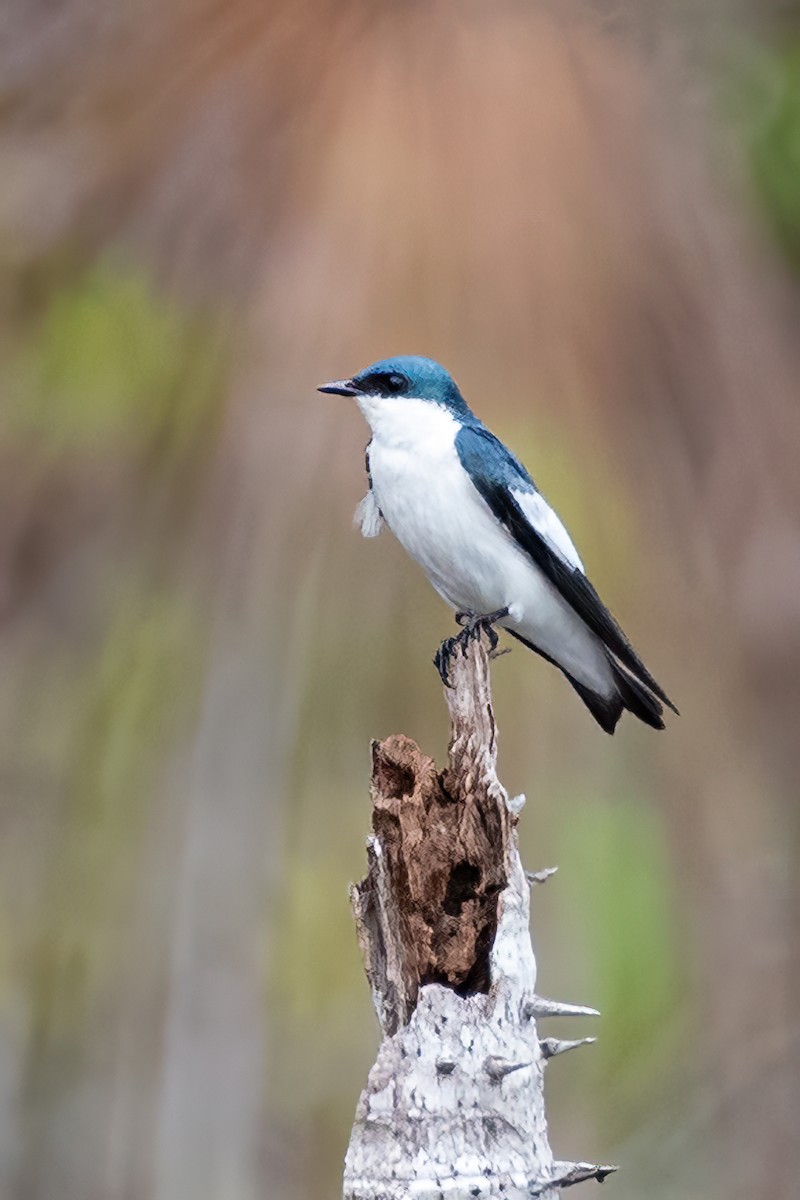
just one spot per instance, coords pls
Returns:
(488, 462)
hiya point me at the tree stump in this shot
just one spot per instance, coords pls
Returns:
(454, 1105)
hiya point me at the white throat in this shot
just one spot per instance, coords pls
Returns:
(406, 423)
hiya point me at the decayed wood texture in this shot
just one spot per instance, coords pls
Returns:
(454, 1105)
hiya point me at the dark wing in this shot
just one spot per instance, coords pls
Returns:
(369, 478)
(501, 481)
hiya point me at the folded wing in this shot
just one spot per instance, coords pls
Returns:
(512, 496)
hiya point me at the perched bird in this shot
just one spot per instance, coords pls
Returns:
(493, 548)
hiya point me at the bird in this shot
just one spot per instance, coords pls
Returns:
(470, 514)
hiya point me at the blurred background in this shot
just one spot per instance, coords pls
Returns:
(591, 214)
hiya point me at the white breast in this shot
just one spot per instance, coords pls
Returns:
(435, 511)
(432, 507)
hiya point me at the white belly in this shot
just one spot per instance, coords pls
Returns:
(437, 514)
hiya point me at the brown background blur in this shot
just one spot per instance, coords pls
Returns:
(591, 215)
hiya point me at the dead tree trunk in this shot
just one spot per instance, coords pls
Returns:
(454, 1104)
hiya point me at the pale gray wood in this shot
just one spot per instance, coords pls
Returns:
(454, 1105)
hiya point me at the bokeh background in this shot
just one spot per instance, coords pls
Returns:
(591, 214)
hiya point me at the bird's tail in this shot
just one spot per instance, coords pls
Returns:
(628, 694)
(636, 697)
(606, 710)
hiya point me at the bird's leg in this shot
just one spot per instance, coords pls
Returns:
(476, 623)
(472, 625)
(493, 617)
(472, 620)
(485, 624)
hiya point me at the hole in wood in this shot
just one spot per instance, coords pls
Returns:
(463, 884)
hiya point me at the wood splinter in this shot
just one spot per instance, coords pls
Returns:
(454, 1104)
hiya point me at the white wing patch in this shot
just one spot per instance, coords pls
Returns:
(548, 525)
(368, 516)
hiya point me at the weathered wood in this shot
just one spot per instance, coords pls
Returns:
(454, 1104)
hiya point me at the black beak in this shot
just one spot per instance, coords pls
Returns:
(339, 387)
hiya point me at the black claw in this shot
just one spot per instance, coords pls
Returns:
(472, 626)
(438, 662)
(441, 660)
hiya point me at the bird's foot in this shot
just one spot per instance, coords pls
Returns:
(443, 657)
(472, 626)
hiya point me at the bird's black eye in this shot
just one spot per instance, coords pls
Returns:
(395, 384)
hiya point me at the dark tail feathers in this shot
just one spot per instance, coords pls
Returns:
(636, 698)
(630, 695)
(605, 711)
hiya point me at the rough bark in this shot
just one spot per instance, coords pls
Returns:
(454, 1105)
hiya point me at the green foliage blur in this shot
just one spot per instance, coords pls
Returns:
(113, 367)
(767, 105)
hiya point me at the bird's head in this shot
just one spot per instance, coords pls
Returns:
(387, 385)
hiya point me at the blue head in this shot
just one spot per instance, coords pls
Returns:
(408, 376)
